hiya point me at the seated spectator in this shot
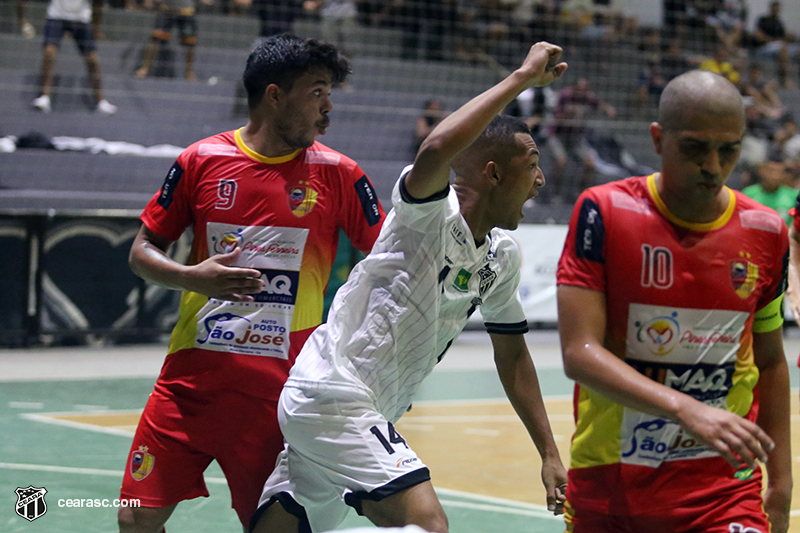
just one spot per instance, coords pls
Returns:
(172, 13)
(535, 106)
(276, 16)
(719, 64)
(787, 139)
(568, 136)
(773, 42)
(651, 82)
(762, 94)
(728, 23)
(338, 18)
(674, 62)
(432, 114)
(771, 189)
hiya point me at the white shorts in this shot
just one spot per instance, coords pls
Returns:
(339, 451)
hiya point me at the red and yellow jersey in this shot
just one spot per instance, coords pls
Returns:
(285, 213)
(682, 303)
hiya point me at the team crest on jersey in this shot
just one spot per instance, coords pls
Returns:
(488, 276)
(302, 200)
(141, 463)
(461, 282)
(744, 277)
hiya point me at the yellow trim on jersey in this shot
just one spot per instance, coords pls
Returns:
(769, 317)
(599, 422)
(183, 336)
(262, 158)
(694, 226)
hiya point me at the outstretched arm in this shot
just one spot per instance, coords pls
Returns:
(518, 375)
(582, 324)
(793, 292)
(213, 277)
(431, 172)
(773, 418)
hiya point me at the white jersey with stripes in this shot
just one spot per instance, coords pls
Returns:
(406, 302)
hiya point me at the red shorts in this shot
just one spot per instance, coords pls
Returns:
(182, 431)
(742, 514)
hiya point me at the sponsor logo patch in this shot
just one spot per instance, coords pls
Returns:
(170, 183)
(461, 283)
(660, 334)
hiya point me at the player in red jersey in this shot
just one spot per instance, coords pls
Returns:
(670, 292)
(265, 204)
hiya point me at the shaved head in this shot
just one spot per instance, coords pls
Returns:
(694, 93)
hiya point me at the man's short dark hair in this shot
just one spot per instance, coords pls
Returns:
(281, 59)
(496, 143)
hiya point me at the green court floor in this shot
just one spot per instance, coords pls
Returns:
(73, 461)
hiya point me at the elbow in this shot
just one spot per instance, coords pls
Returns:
(572, 366)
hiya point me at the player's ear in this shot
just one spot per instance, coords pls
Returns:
(272, 94)
(657, 133)
(491, 172)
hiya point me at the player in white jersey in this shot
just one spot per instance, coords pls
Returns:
(438, 258)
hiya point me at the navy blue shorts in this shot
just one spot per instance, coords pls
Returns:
(82, 33)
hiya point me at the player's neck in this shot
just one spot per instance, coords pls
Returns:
(263, 140)
(474, 214)
(696, 210)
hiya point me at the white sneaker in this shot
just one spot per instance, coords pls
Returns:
(106, 108)
(42, 103)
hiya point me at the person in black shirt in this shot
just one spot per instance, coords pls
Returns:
(774, 42)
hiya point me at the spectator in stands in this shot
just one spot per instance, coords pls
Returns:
(773, 42)
(651, 82)
(432, 114)
(771, 189)
(719, 64)
(74, 17)
(674, 63)
(25, 27)
(536, 106)
(568, 137)
(761, 94)
(728, 23)
(276, 16)
(338, 18)
(787, 138)
(172, 13)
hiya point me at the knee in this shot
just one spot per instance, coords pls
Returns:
(433, 520)
(141, 519)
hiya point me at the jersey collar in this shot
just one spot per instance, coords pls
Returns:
(262, 158)
(694, 226)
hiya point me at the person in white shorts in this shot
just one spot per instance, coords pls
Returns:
(439, 256)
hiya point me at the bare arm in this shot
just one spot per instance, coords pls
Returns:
(431, 172)
(518, 375)
(213, 277)
(773, 418)
(793, 292)
(582, 324)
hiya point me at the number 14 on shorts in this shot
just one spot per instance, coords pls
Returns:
(396, 438)
(739, 528)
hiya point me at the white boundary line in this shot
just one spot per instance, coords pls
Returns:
(508, 506)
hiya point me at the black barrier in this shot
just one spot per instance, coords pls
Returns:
(64, 279)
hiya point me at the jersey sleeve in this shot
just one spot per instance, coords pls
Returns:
(582, 262)
(502, 309)
(769, 312)
(422, 214)
(361, 215)
(169, 211)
